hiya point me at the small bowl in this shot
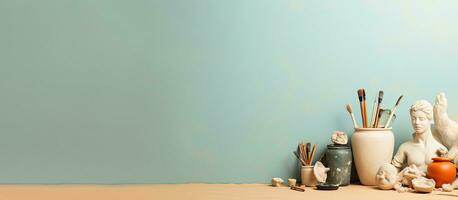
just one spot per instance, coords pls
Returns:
(327, 186)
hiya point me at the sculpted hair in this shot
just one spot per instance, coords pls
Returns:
(424, 106)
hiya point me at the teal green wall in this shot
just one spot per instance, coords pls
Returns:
(204, 91)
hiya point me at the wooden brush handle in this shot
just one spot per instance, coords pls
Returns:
(362, 113)
(297, 189)
(365, 114)
(377, 118)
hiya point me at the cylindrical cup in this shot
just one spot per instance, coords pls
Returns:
(291, 182)
(307, 176)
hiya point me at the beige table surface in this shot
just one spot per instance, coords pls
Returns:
(201, 191)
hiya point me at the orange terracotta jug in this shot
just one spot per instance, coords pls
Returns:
(442, 170)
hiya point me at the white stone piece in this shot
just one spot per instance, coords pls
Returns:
(386, 177)
(401, 189)
(443, 152)
(277, 182)
(424, 146)
(409, 173)
(452, 186)
(320, 172)
(424, 185)
(447, 187)
(339, 137)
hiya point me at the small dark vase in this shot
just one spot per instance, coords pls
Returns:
(338, 158)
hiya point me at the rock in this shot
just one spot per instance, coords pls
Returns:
(339, 137)
(422, 184)
(447, 187)
(320, 172)
(277, 182)
(409, 173)
(401, 189)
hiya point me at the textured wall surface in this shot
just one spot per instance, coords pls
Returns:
(203, 90)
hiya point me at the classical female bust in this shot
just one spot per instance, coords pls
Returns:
(423, 146)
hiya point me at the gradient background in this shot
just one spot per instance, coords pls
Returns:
(205, 90)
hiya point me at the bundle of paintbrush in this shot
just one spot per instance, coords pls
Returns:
(305, 153)
(377, 112)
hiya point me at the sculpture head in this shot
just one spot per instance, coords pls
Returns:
(421, 116)
(386, 177)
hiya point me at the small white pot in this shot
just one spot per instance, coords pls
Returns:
(371, 148)
(307, 176)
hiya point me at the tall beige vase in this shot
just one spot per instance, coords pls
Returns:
(371, 148)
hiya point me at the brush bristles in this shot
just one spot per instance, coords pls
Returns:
(364, 94)
(380, 94)
(399, 100)
(305, 153)
(360, 94)
(349, 108)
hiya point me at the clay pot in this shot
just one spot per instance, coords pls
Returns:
(442, 170)
(372, 147)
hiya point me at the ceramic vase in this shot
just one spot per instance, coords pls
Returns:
(307, 176)
(442, 170)
(372, 147)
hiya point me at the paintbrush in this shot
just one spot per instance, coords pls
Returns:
(364, 106)
(377, 115)
(299, 158)
(297, 188)
(313, 154)
(361, 106)
(374, 111)
(308, 151)
(393, 111)
(350, 110)
(299, 151)
(302, 152)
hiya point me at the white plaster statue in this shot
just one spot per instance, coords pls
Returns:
(423, 146)
(446, 130)
(387, 177)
